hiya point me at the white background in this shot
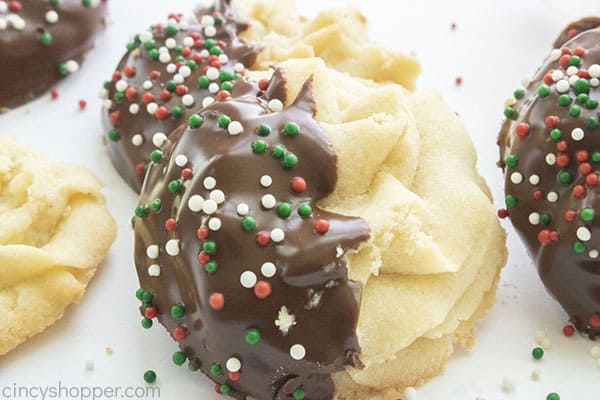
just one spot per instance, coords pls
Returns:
(495, 44)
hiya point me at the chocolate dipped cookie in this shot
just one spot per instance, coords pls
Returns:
(41, 42)
(550, 154)
(288, 237)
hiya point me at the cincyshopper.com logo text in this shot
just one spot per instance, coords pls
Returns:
(61, 391)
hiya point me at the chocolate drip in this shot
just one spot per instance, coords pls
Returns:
(551, 157)
(575, 28)
(131, 134)
(304, 298)
(37, 40)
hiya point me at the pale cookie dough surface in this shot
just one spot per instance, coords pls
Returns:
(340, 37)
(54, 231)
(407, 166)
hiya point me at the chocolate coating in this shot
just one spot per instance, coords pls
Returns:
(308, 278)
(137, 112)
(551, 157)
(41, 42)
(575, 28)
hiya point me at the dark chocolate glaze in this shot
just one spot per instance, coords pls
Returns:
(567, 170)
(29, 67)
(311, 279)
(575, 28)
(122, 125)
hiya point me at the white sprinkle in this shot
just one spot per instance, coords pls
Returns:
(145, 36)
(72, 66)
(248, 279)
(151, 108)
(275, 105)
(594, 82)
(217, 196)
(51, 17)
(181, 160)
(209, 183)
(172, 247)
(577, 134)
(195, 203)
(268, 269)
(207, 101)
(3, 6)
(137, 140)
(188, 100)
(212, 73)
(268, 201)
(107, 104)
(207, 20)
(3, 23)
(508, 384)
(210, 206)
(134, 108)
(516, 178)
(147, 85)
(223, 59)
(163, 49)
(550, 159)
(557, 75)
(154, 270)
(210, 31)
(178, 78)
(164, 58)
(594, 71)
(204, 53)
(555, 54)
(546, 344)
(573, 80)
(171, 68)
(266, 181)
(552, 197)
(239, 67)
(242, 209)
(19, 24)
(159, 139)
(593, 253)
(89, 365)
(277, 235)
(171, 43)
(410, 393)
(563, 86)
(584, 234)
(233, 364)
(235, 128)
(572, 70)
(214, 87)
(534, 218)
(298, 352)
(185, 71)
(152, 251)
(214, 224)
(188, 41)
(534, 179)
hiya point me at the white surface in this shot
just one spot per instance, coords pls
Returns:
(494, 46)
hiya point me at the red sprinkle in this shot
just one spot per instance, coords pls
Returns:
(578, 191)
(322, 226)
(537, 195)
(262, 289)
(151, 312)
(170, 224)
(54, 94)
(14, 6)
(234, 376)
(570, 215)
(263, 84)
(582, 156)
(564, 60)
(544, 237)
(298, 184)
(579, 51)
(568, 330)
(162, 113)
(203, 258)
(154, 74)
(562, 160)
(591, 180)
(595, 321)
(217, 301)
(147, 98)
(140, 169)
(551, 121)
(585, 168)
(116, 76)
(131, 93)
(458, 81)
(114, 117)
(522, 129)
(263, 238)
(129, 71)
(82, 104)
(202, 233)
(223, 95)
(186, 173)
(180, 332)
(502, 213)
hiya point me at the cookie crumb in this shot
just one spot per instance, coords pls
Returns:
(595, 352)
(536, 375)
(109, 351)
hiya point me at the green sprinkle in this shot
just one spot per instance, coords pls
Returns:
(195, 121)
(156, 156)
(305, 210)
(582, 98)
(582, 86)
(284, 210)
(179, 358)
(147, 298)
(179, 59)
(299, 394)
(263, 130)
(537, 353)
(574, 61)
(579, 247)
(86, 3)
(564, 100)
(596, 156)
(259, 146)
(545, 218)
(192, 64)
(237, 76)
(203, 82)
(591, 104)
(113, 135)
(106, 85)
(171, 30)
(278, 151)
(290, 160)
(209, 247)
(216, 51)
(553, 396)
(171, 86)
(154, 54)
(54, 2)
(224, 121)
(224, 388)
(592, 122)
(215, 369)
(574, 111)
(211, 267)
(150, 44)
(119, 97)
(291, 129)
(555, 134)
(248, 224)
(543, 90)
(511, 201)
(46, 38)
(564, 177)
(226, 85)
(510, 113)
(174, 186)
(140, 211)
(147, 323)
(511, 161)
(225, 75)
(176, 112)
(587, 214)
(155, 205)
(253, 336)
(139, 294)
(177, 311)
(519, 94)
(63, 70)
(209, 43)
(150, 376)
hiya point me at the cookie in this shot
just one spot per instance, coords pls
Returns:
(550, 155)
(290, 240)
(54, 232)
(187, 62)
(41, 42)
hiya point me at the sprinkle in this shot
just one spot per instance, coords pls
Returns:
(266, 181)
(297, 352)
(214, 224)
(217, 196)
(291, 129)
(137, 140)
(235, 128)
(534, 218)
(537, 353)
(536, 374)
(181, 160)
(516, 178)
(593, 253)
(268, 201)
(172, 247)
(210, 206)
(217, 301)
(534, 179)
(275, 105)
(152, 251)
(179, 358)
(321, 226)
(248, 224)
(212, 74)
(410, 393)
(268, 269)
(277, 235)
(262, 289)
(195, 203)
(553, 396)
(242, 209)
(51, 17)
(298, 184)
(209, 183)
(188, 100)
(546, 343)
(233, 364)
(159, 139)
(134, 108)
(248, 279)
(552, 197)
(154, 270)
(584, 234)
